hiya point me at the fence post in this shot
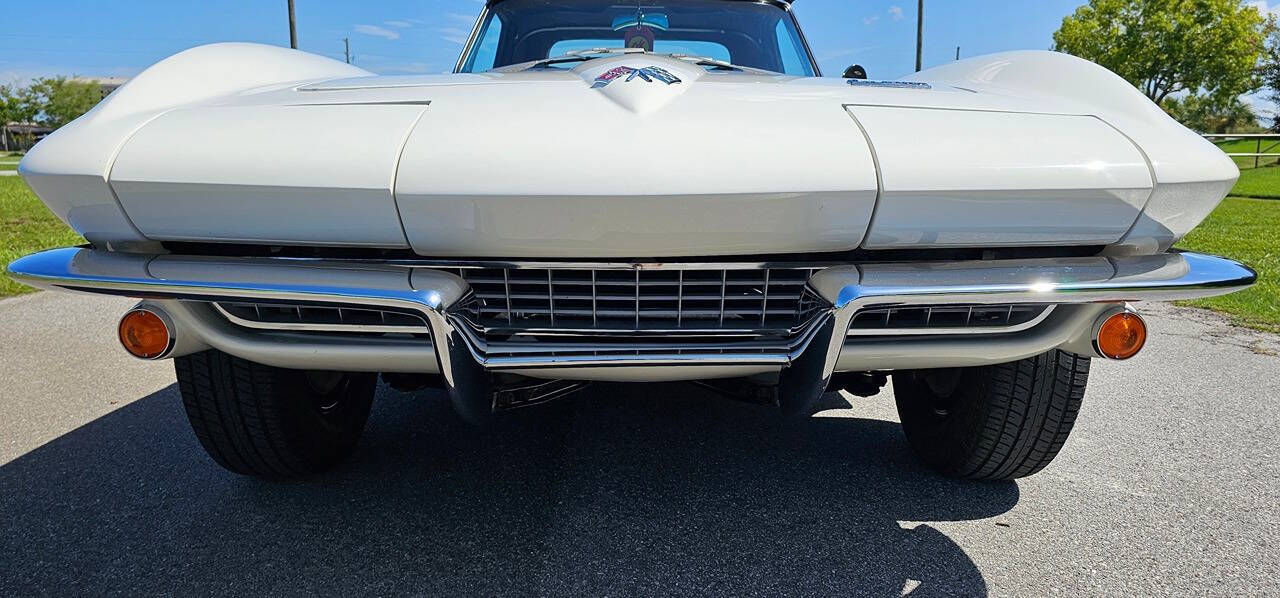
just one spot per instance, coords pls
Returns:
(1256, 157)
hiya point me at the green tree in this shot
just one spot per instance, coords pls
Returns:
(17, 105)
(1200, 114)
(1270, 73)
(1210, 48)
(61, 100)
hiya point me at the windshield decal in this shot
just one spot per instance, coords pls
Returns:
(647, 74)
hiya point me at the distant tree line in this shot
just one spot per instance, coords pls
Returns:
(1195, 58)
(48, 102)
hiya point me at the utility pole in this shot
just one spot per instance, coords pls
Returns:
(919, 33)
(293, 28)
(346, 45)
(957, 52)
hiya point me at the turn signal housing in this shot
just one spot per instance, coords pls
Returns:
(1121, 336)
(145, 335)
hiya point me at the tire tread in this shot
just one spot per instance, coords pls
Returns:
(1027, 409)
(239, 411)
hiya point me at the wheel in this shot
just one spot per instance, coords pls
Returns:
(997, 422)
(264, 421)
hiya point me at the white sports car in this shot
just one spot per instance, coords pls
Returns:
(608, 191)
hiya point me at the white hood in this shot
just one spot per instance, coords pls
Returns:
(687, 163)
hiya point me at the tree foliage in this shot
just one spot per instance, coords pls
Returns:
(1199, 114)
(61, 100)
(16, 104)
(1211, 48)
(1271, 76)
(51, 101)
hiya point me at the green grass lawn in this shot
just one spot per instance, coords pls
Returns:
(8, 165)
(26, 226)
(1247, 230)
(1262, 180)
(1258, 182)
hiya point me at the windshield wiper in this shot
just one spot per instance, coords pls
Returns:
(719, 64)
(593, 53)
(574, 56)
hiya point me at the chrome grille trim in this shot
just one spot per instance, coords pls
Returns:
(315, 318)
(584, 349)
(639, 300)
(959, 319)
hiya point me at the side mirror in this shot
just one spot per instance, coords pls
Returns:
(855, 72)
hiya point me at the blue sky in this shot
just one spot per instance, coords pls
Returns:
(95, 38)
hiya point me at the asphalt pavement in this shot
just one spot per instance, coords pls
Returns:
(1170, 485)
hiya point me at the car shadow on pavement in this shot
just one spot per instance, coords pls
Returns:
(628, 489)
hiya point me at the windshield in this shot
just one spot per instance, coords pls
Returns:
(749, 34)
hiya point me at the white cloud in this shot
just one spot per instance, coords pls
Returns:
(377, 31)
(398, 24)
(895, 13)
(1265, 8)
(871, 20)
(453, 34)
(461, 17)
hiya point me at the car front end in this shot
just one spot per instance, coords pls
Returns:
(687, 204)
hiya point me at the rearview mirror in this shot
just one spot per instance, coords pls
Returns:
(855, 72)
(655, 20)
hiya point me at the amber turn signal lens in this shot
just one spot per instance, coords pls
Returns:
(1122, 335)
(144, 335)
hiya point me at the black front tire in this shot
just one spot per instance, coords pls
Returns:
(998, 422)
(265, 421)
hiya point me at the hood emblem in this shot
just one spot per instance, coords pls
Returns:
(889, 84)
(647, 74)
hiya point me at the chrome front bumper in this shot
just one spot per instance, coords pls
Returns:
(1081, 287)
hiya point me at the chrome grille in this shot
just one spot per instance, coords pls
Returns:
(948, 318)
(278, 316)
(520, 299)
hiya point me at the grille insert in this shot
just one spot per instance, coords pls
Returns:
(277, 316)
(640, 300)
(940, 319)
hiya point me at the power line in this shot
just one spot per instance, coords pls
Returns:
(100, 37)
(160, 52)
